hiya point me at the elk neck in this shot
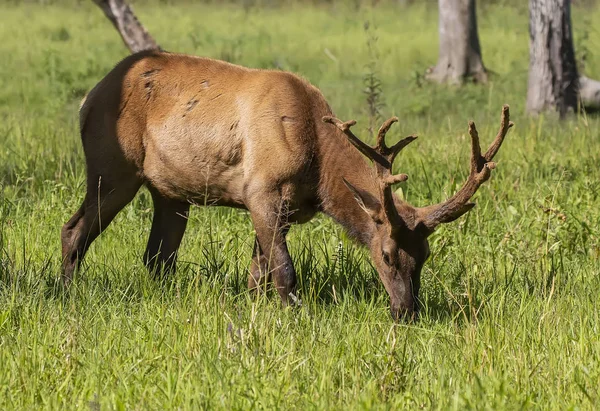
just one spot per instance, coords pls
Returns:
(339, 159)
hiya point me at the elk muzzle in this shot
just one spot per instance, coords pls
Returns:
(404, 312)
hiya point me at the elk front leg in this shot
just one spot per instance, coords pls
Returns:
(103, 201)
(271, 228)
(259, 269)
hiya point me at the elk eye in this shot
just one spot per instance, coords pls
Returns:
(386, 258)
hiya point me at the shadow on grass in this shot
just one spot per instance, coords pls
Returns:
(590, 111)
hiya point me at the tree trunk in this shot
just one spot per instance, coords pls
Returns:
(460, 52)
(134, 35)
(589, 92)
(553, 77)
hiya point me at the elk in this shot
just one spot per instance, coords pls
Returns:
(201, 131)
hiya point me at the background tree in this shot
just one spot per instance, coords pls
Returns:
(554, 82)
(459, 50)
(134, 35)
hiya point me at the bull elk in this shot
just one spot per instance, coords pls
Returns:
(202, 131)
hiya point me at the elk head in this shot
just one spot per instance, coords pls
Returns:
(399, 245)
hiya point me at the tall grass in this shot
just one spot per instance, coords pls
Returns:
(511, 314)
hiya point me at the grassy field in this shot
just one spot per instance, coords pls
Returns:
(511, 316)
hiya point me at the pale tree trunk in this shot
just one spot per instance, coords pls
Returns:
(460, 53)
(134, 35)
(589, 92)
(554, 83)
(553, 77)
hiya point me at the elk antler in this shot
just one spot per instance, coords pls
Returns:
(481, 168)
(383, 158)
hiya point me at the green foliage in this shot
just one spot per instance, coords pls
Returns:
(372, 84)
(510, 319)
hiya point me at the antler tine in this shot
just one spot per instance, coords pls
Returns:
(385, 127)
(395, 179)
(480, 168)
(367, 150)
(505, 125)
(391, 152)
(397, 148)
(475, 148)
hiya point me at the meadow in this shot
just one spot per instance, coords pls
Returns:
(510, 294)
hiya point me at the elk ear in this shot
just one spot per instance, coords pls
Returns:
(366, 201)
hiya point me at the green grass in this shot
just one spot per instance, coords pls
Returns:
(511, 315)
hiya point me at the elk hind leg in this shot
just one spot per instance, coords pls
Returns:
(102, 203)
